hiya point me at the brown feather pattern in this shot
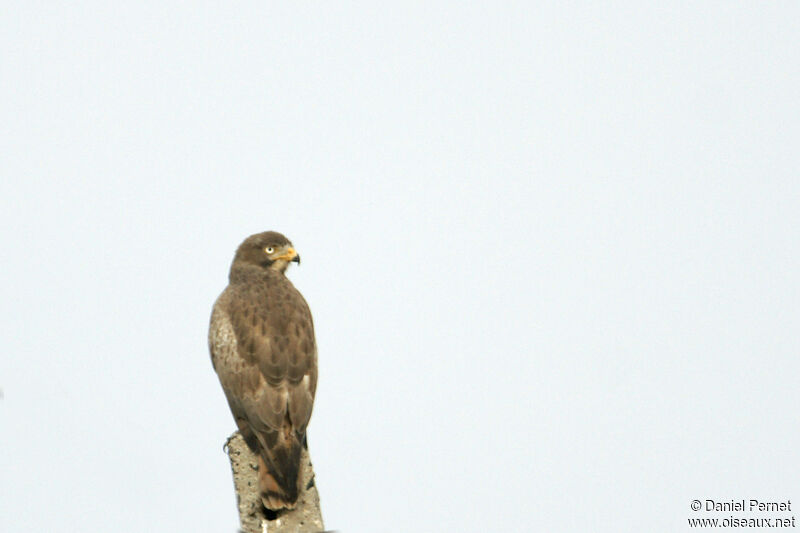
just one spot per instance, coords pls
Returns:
(263, 350)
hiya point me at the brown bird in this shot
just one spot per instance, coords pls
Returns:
(263, 350)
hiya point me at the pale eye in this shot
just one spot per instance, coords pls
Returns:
(269, 249)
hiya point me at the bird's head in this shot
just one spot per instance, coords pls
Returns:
(269, 250)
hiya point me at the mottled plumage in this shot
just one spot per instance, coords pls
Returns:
(263, 350)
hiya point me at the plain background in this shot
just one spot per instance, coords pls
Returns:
(551, 251)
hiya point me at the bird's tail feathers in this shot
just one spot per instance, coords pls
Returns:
(279, 470)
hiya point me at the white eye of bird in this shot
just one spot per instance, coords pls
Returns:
(270, 249)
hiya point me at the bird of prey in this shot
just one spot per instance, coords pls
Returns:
(262, 347)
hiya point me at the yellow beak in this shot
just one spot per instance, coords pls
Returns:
(290, 255)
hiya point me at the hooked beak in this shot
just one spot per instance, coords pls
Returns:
(290, 255)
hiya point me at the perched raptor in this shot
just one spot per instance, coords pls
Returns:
(263, 350)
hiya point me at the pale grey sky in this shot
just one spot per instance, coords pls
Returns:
(551, 251)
